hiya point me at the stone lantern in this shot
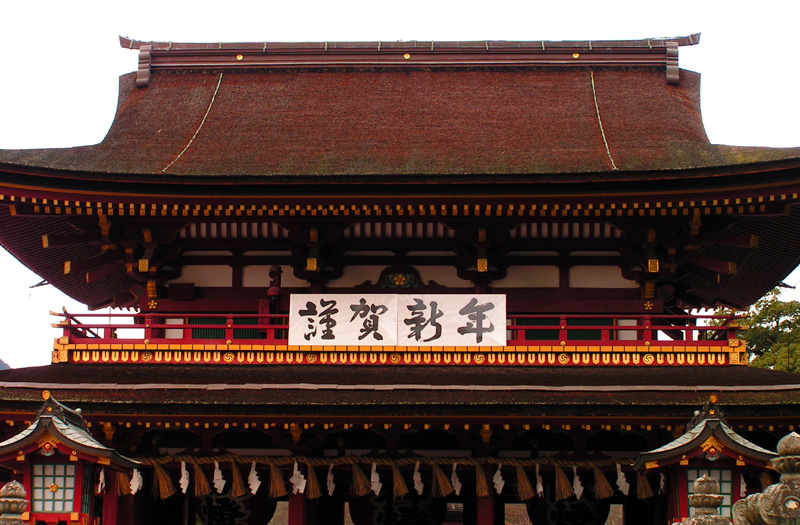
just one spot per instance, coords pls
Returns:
(13, 503)
(706, 499)
(779, 504)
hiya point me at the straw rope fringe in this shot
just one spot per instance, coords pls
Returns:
(123, 484)
(277, 487)
(481, 483)
(441, 484)
(398, 482)
(766, 480)
(162, 483)
(602, 488)
(164, 487)
(312, 486)
(360, 485)
(524, 489)
(563, 486)
(643, 488)
(200, 486)
(237, 483)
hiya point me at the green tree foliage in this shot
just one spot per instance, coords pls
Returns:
(773, 336)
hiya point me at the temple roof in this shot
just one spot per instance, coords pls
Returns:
(450, 108)
(424, 391)
(708, 430)
(64, 429)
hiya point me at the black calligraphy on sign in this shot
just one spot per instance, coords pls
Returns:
(370, 313)
(477, 314)
(418, 321)
(326, 320)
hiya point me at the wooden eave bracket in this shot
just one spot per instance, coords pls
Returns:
(673, 71)
(145, 62)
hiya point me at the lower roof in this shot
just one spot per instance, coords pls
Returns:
(422, 391)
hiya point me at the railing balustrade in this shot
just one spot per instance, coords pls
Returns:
(522, 329)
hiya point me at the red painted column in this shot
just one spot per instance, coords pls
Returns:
(485, 506)
(110, 499)
(296, 509)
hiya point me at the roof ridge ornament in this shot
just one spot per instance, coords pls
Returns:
(709, 411)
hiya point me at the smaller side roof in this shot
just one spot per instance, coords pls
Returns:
(708, 430)
(59, 427)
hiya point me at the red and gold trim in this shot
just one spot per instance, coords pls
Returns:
(399, 355)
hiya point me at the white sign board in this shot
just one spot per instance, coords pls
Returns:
(397, 320)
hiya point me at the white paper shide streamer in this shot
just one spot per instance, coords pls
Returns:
(331, 484)
(219, 481)
(418, 485)
(455, 481)
(184, 481)
(101, 483)
(622, 482)
(662, 484)
(497, 480)
(743, 489)
(136, 481)
(253, 480)
(577, 487)
(297, 480)
(375, 480)
(539, 483)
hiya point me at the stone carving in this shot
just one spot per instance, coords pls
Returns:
(779, 504)
(706, 499)
(13, 503)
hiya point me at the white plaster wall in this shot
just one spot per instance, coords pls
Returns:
(598, 277)
(355, 275)
(444, 275)
(258, 277)
(205, 276)
(529, 277)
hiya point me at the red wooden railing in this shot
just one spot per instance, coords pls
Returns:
(522, 329)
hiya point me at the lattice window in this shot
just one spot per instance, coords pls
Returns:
(53, 487)
(725, 478)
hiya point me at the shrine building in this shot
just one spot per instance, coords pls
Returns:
(398, 282)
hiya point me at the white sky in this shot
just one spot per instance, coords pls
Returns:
(59, 63)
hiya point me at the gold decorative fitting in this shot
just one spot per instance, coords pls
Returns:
(53, 487)
(152, 305)
(407, 56)
(576, 55)
(311, 265)
(45, 394)
(483, 265)
(144, 265)
(648, 305)
(652, 265)
(563, 343)
(239, 57)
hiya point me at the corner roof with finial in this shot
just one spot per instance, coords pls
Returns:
(60, 428)
(708, 428)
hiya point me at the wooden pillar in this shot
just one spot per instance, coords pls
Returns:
(485, 511)
(110, 499)
(296, 508)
